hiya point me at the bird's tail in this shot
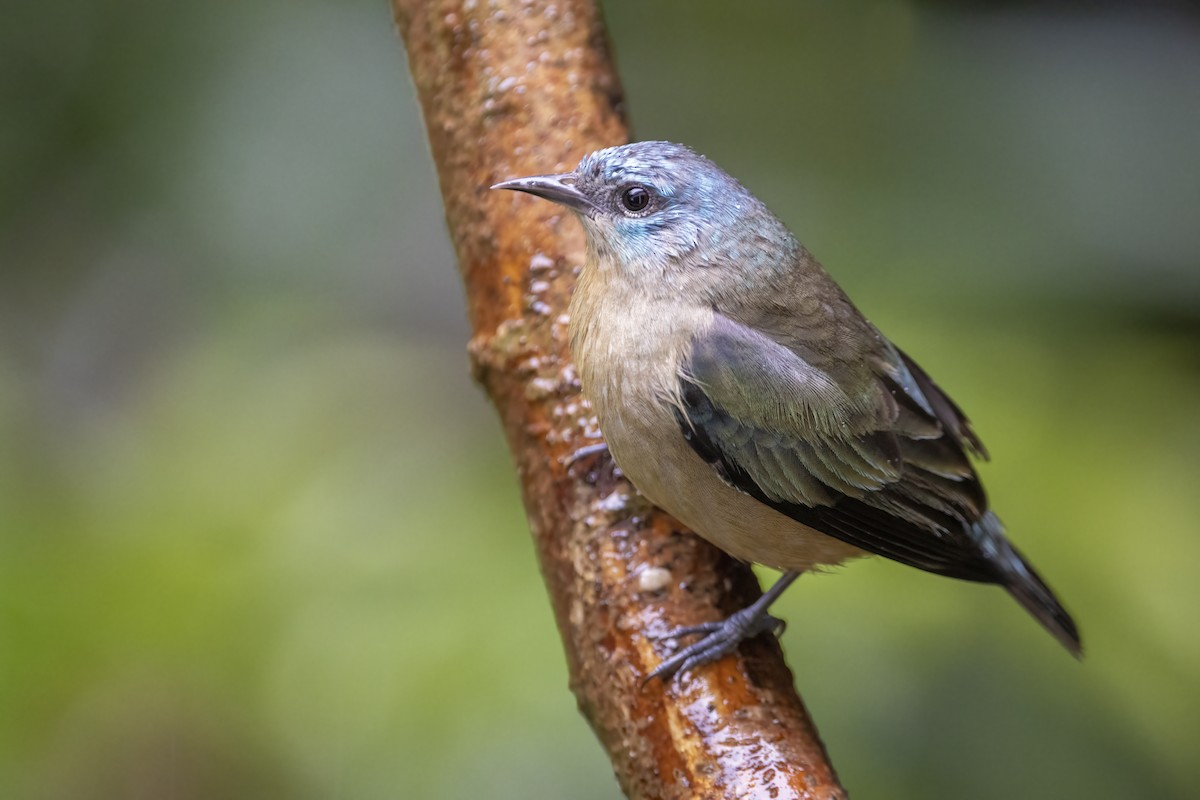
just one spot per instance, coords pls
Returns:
(1028, 589)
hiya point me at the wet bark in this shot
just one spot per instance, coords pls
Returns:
(518, 87)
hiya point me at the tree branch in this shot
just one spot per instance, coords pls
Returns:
(519, 87)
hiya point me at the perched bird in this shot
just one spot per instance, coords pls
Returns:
(739, 389)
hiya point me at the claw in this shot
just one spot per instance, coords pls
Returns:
(584, 452)
(722, 638)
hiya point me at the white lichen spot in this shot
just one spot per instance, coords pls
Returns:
(615, 501)
(651, 579)
(540, 388)
(540, 262)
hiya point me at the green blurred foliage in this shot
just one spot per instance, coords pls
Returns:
(259, 536)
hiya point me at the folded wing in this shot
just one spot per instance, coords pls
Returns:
(876, 456)
(872, 465)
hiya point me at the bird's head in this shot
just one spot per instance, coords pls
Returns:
(656, 205)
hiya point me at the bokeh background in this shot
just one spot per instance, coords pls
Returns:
(259, 535)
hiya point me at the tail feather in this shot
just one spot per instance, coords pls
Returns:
(1028, 589)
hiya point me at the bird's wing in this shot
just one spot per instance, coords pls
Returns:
(875, 457)
(877, 462)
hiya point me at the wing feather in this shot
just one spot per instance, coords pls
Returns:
(831, 455)
(819, 416)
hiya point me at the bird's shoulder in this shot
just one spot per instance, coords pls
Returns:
(800, 320)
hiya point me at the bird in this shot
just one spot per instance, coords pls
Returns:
(739, 388)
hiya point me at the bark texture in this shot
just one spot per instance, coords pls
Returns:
(518, 87)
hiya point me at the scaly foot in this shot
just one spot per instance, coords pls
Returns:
(723, 638)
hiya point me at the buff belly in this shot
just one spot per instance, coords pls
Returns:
(663, 466)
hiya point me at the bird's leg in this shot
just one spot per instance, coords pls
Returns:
(724, 637)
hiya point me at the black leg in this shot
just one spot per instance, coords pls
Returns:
(723, 637)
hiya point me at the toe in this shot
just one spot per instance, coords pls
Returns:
(690, 630)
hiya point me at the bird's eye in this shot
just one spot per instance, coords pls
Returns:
(635, 198)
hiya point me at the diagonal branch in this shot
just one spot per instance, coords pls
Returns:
(519, 87)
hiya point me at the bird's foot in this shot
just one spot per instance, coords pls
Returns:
(584, 452)
(593, 463)
(721, 639)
